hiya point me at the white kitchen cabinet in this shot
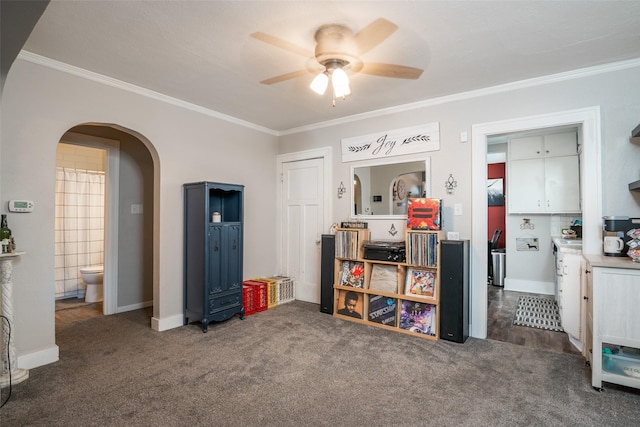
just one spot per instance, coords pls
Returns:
(614, 317)
(569, 294)
(551, 145)
(547, 185)
(544, 174)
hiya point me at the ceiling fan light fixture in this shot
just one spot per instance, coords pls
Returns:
(340, 83)
(320, 83)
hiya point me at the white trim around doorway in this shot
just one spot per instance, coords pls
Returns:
(590, 187)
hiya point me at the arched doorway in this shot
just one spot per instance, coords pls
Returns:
(130, 221)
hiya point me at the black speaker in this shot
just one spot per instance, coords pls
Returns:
(454, 290)
(327, 263)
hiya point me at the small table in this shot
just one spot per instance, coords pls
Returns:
(13, 375)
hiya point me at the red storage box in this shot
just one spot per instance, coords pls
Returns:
(249, 299)
(261, 294)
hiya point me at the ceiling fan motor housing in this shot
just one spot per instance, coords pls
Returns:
(335, 46)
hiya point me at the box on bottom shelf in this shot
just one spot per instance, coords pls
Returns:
(621, 363)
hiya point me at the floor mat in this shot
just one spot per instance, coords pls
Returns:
(537, 312)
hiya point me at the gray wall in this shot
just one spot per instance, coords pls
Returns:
(39, 104)
(616, 92)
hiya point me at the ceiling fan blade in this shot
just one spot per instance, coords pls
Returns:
(374, 34)
(391, 70)
(283, 77)
(282, 44)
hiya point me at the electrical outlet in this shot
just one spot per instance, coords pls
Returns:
(136, 209)
(453, 235)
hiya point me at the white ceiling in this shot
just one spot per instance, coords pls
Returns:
(201, 52)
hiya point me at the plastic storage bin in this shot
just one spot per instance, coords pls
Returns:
(621, 363)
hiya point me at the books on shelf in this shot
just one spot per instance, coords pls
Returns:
(383, 310)
(418, 317)
(424, 214)
(420, 283)
(347, 244)
(422, 249)
(352, 274)
(354, 224)
(384, 278)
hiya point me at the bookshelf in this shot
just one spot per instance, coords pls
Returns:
(399, 296)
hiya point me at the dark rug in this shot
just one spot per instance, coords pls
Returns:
(536, 312)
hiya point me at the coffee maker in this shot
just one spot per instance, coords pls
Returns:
(614, 234)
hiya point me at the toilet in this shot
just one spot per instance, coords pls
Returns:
(93, 276)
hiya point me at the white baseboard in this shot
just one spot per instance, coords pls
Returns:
(575, 342)
(39, 358)
(167, 323)
(137, 306)
(545, 288)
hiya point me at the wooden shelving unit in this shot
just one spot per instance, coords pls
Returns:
(382, 300)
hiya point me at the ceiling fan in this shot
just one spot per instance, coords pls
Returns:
(339, 50)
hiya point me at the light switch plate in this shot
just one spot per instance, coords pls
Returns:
(457, 209)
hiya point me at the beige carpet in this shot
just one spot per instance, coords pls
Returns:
(294, 366)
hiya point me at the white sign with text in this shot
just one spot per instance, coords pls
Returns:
(417, 139)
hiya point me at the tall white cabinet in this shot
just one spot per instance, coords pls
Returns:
(612, 315)
(544, 174)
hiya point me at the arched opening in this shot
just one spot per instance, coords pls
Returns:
(130, 217)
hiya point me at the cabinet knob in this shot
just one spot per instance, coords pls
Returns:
(585, 297)
(587, 271)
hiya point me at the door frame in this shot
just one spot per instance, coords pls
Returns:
(588, 119)
(111, 210)
(323, 153)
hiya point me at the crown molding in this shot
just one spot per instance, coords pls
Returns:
(99, 78)
(521, 84)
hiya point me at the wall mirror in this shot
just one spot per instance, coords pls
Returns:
(381, 190)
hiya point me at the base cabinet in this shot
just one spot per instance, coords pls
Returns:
(212, 252)
(614, 317)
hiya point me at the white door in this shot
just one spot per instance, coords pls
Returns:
(302, 223)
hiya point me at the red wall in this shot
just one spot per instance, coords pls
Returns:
(496, 213)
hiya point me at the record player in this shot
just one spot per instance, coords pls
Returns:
(384, 250)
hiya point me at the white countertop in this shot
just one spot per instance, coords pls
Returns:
(569, 246)
(612, 262)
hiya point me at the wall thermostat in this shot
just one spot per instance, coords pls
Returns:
(20, 206)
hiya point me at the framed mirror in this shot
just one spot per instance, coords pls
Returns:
(381, 190)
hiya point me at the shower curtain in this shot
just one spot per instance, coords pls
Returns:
(79, 227)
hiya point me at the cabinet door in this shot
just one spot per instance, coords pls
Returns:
(562, 184)
(216, 264)
(529, 147)
(526, 186)
(571, 294)
(561, 144)
(234, 257)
